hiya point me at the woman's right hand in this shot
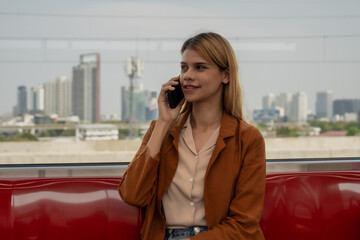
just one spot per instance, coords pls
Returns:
(167, 114)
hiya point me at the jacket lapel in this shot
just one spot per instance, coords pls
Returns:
(176, 128)
(170, 162)
(227, 129)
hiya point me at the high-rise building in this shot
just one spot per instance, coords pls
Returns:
(86, 88)
(57, 97)
(268, 101)
(343, 106)
(356, 106)
(282, 101)
(50, 98)
(63, 96)
(37, 100)
(125, 103)
(145, 104)
(21, 106)
(152, 109)
(298, 110)
(324, 104)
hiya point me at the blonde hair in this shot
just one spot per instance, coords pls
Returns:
(215, 48)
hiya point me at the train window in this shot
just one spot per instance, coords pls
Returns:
(79, 80)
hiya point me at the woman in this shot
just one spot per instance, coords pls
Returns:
(200, 171)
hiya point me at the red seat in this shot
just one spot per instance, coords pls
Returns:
(312, 206)
(66, 208)
(297, 206)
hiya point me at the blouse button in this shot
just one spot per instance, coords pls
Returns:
(192, 204)
(196, 230)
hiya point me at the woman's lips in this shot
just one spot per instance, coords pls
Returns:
(190, 87)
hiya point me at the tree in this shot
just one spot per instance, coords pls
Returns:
(352, 124)
(324, 126)
(261, 126)
(287, 132)
(23, 137)
(68, 133)
(352, 131)
(338, 126)
(2, 138)
(123, 133)
(48, 133)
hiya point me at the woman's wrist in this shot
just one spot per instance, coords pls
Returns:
(163, 124)
(157, 136)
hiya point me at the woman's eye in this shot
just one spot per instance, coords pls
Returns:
(183, 68)
(201, 67)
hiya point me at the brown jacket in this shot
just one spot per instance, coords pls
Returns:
(234, 182)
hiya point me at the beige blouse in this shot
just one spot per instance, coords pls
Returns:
(183, 202)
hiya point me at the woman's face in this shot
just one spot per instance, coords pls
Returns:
(201, 81)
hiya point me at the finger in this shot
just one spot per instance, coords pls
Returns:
(174, 81)
(175, 78)
(178, 107)
(166, 87)
(169, 85)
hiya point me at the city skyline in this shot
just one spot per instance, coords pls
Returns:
(61, 78)
(286, 103)
(281, 46)
(248, 105)
(293, 107)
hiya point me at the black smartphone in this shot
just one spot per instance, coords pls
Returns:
(175, 96)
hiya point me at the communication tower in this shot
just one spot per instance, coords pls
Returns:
(133, 69)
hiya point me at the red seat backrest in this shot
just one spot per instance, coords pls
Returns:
(68, 208)
(312, 206)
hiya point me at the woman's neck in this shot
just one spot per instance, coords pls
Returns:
(206, 117)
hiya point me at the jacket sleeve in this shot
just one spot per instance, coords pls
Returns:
(138, 184)
(242, 221)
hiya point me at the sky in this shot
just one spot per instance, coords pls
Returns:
(281, 45)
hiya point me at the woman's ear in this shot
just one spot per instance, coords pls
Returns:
(226, 77)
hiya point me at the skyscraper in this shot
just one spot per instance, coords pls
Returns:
(125, 103)
(63, 96)
(298, 110)
(324, 105)
(343, 106)
(57, 97)
(37, 100)
(280, 102)
(268, 101)
(283, 101)
(21, 106)
(86, 88)
(152, 109)
(356, 105)
(50, 98)
(145, 104)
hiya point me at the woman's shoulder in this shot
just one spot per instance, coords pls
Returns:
(240, 127)
(247, 130)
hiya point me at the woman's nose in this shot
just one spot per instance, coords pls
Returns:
(188, 74)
